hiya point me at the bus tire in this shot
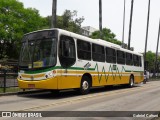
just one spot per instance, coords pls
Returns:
(131, 82)
(85, 85)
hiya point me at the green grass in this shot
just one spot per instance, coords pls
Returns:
(10, 89)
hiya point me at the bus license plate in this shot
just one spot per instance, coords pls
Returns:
(31, 85)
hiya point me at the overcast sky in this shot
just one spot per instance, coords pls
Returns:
(112, 17)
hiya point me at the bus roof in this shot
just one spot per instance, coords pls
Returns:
(98, 41)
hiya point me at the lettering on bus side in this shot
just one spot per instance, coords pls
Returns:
(86, 66)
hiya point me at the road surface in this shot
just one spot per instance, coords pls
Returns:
(143, 97)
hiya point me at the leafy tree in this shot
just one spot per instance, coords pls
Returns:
(107, 35)
(151, 58)
(15, 21)
(68, 21)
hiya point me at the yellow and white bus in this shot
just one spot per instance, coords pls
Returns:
(56, 59)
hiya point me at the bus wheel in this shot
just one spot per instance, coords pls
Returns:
(131, 81)
(85, 85)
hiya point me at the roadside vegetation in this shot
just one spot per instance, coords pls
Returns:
(15, 21)
(10, 90)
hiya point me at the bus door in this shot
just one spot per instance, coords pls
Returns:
(67, 57)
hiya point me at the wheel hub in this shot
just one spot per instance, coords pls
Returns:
(85, 85)
(131, 82)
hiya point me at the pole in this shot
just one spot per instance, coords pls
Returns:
(123, 23)
(130, 25)
(157, 49)
(100, 18)
(54, 17)
(4, 87)
(146, 35)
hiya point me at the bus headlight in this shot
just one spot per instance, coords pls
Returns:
(19, 76)
(50, 74)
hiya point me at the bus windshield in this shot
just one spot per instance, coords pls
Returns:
(38, 53)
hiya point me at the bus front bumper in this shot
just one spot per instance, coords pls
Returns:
(50, 83)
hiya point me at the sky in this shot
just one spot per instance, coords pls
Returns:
(112, 17)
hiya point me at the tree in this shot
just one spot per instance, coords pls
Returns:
(68, 21)
(150, 58)
(107, 35)
(15, 21)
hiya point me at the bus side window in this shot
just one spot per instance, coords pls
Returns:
(129, 59)
(83, 50)
(140, 61)
(98, 53)
(110, 55)
(120, 57)
(136, 60)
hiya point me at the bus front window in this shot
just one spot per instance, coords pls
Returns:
(26, 54)
(38, 53)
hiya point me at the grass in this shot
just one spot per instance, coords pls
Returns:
(10, 89)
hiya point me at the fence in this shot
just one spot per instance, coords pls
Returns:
(8, 77)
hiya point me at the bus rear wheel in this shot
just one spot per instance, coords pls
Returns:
(85, 85)
(131, 82)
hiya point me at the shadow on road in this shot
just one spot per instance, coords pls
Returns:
(46, 94)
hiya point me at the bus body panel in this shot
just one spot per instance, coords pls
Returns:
(68, 79)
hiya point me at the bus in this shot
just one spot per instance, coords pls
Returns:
(56, 59)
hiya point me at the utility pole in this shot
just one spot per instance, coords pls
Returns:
(100, 18)
(123, 23)
(155, 68)
(130, 25)
(146, 35)
(54, 15)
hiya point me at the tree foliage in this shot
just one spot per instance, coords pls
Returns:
(151, 58)
(107, 35)
(68, 21)
(15, 21)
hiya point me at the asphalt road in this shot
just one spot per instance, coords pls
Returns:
(143, 97)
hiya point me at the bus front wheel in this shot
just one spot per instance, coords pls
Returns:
(85, 85)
